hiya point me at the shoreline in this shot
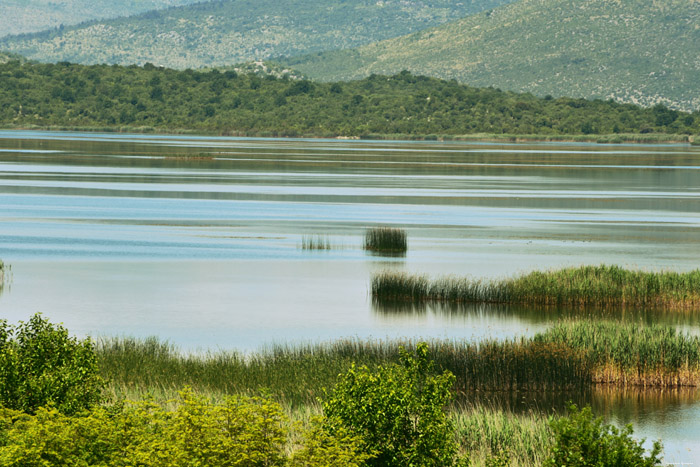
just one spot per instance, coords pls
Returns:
(623, 138)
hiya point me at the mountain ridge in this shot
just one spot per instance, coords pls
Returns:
(29, 16)
(637, 51)
(225, 32)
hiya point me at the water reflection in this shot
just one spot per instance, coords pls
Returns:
(534, 315)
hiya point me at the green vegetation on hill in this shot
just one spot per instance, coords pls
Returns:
(25, 16)
(638, 51)
(225, 32)
(101, 96)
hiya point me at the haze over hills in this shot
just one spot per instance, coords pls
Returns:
(25, 16)
(639, 51)
(226, 32)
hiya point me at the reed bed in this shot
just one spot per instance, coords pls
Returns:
(386, 240)
(316, 242)
(299, 374)
(630, 354)
(585, 286)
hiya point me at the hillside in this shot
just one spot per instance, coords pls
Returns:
(102, 96)
(26, 16)
(226, 32)
(639, 51)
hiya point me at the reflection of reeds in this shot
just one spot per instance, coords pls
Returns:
(583, 286)
(315, 242)
(386, 240)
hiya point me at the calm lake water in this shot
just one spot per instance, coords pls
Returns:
(198, 239)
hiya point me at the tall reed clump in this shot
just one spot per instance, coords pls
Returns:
(600, 286)
(631, 354)
(386, 240)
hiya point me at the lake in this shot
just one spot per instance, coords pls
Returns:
(198, 240)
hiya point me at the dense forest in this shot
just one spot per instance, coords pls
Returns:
(102, 96)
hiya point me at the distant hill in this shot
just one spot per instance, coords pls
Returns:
(25, 16)
(225, 32)
(402, 106)
(639, 51)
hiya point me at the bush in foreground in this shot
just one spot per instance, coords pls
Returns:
(41, 365)
(582, 440)
(398, 412)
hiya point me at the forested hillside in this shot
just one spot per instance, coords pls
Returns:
(103, 96)
(25, 16)
(225, 32)
(638, 51)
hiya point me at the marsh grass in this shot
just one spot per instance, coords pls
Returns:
(316, 242)
(386, 240)
(630, 354)
(485, 433)
(299, 374)
(585, 286)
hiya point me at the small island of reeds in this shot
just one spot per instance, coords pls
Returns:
(585, 286)
(387, 240)
(316, 242)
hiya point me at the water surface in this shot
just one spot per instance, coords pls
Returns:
(198, 239)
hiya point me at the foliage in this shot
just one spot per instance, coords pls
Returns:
(405, 105)
(320, 448)
(398, 411)
(241, 431)
(221, 33)
(582, 440)
(634, 51)
(40, 364)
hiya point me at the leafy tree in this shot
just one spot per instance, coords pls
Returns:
(398, 411)
(582, 440)
(40, 365)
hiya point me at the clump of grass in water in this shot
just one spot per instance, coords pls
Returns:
(4, 274)
(315, 242)
(386, 240)
(599, 286)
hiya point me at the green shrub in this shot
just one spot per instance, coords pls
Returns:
(40, 365)
(240, 432)
(321, 449)
(398, 412)
(582, 440)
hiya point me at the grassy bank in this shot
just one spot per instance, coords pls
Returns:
(594, 286)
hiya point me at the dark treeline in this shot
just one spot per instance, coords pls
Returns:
(101, 96)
